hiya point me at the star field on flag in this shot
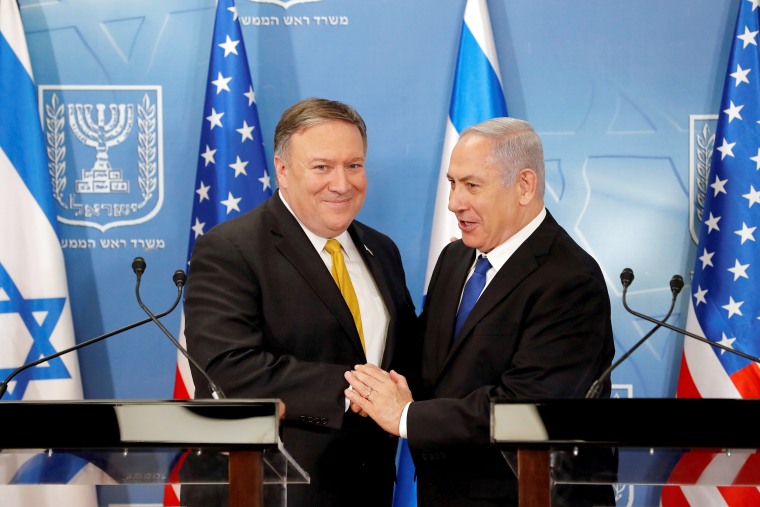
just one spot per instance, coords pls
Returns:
(232, 175)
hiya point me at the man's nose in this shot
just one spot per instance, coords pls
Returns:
(457, 202)
(339, 181)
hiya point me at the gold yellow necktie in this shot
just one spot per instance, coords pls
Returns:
(340, 275)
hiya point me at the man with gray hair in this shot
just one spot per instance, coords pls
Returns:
(516, 309)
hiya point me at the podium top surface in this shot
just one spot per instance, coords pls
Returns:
(635, 422)
(103, 424)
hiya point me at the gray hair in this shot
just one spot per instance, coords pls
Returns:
(514, 146)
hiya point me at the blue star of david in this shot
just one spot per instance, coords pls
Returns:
(40, 332)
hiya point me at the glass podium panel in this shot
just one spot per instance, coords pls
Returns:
(140, 476)
(137, 466)
(130, 452)
(641, 448)
(641, 474)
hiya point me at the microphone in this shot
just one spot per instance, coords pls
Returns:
(4, 384)
(626, 277)
(138, 266)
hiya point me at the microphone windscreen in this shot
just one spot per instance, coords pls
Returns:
(138, 265)
(626, 277)
(179, 278)
(676, 284)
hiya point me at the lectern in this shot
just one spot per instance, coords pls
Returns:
(652, 436)
(131, 442)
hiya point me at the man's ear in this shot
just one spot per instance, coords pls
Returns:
(281, 172)
(527, 181)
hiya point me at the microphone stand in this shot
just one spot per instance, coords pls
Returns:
(676, 284)
(138, 266)
(628, 272)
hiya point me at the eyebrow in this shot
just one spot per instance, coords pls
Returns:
(333, 160)
(470, 177)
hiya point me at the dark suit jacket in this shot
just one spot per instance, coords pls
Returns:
(266, 320)
(541, 329)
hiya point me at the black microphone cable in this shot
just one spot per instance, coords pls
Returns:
(626, 277)
(628, 272)
(179, 277)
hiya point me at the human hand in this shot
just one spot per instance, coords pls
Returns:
(357, 409)
(385, 394)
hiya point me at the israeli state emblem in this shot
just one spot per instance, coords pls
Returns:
(105, 153)
(701, 144)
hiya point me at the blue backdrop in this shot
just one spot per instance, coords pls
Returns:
(617, 90)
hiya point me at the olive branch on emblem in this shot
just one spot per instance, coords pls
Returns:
(56, 150)
(705, 145)
(146, 150)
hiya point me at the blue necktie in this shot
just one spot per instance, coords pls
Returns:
(472, 290)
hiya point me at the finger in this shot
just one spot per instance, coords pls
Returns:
(355, 408)
(372, 378)
(357, 400)
(357, 384)
(399, 379)
(372, 371)
(358, 410)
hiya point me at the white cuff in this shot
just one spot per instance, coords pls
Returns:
(402, 423)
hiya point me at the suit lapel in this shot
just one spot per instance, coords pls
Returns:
(288, 237)
(382, 278)
(514, 271)
(449, 285)
(518, 267)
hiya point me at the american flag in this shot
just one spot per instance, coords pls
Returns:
(724, 305)
(232, 175)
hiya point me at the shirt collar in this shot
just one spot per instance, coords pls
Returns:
(499, 255)
(318, 241)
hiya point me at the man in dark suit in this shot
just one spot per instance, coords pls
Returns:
(541, 327)
(266, 319)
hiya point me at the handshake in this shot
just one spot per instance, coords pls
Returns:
(379, 394)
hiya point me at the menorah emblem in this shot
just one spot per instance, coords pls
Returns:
(101, 178)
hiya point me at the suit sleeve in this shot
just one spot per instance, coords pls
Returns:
(243, 350)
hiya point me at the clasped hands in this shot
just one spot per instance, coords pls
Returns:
(379, 394)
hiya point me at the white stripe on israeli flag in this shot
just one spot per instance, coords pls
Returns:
(476, 96)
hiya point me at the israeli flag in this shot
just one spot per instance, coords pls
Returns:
(35, 312)
(476, 96)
